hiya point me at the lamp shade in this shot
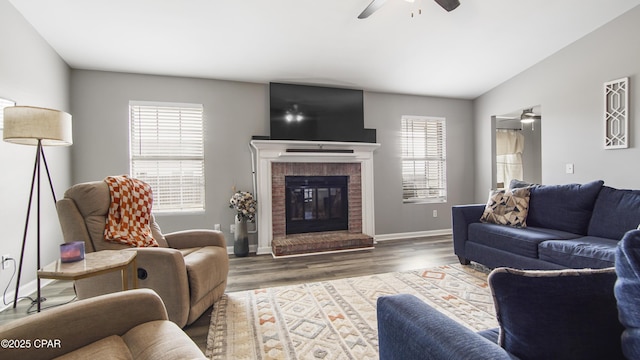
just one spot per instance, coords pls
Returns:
(27, 124)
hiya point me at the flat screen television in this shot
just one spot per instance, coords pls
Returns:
(317, 113)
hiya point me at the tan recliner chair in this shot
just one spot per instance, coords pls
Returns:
(124, 325)
(189, 269)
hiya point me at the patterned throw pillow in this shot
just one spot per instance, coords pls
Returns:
(507, 207)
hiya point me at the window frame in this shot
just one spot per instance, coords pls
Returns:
(192, 154)
(409, 140)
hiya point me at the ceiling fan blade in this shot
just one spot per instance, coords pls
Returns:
(373, 7)
(448, 5)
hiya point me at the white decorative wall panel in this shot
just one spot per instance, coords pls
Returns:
(616, 114)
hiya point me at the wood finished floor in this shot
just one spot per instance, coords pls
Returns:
(255, 272)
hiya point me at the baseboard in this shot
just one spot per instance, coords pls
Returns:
(28, 289)
(252, 249)
(264, 251)
(409, 235)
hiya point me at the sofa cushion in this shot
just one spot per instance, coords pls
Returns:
(557, 314)
(627, 291)
(111, 347)
(507, 207)
(490, 334)
(563, 207)
(583, 252)
(615, 212)
(521, 241)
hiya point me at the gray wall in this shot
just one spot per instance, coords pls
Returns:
(31, 73)
(234, 112)
(569, 87)
(383, 112)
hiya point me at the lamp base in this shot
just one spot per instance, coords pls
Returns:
(36, 176)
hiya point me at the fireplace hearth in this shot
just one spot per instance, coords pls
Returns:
(316, 204)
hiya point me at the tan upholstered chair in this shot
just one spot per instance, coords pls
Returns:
(189, 269)
(124, 325)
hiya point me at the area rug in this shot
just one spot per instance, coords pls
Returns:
(337, 319)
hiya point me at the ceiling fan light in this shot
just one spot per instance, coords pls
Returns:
(528, 116)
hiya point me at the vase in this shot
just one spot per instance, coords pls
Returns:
(241, 238)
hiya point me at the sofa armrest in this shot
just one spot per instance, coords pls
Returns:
(461, 217)
(195, 238)
(410, 329)
(81, 323)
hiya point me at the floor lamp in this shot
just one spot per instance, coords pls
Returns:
(37, 127)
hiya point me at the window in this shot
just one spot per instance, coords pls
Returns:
(424, 160)
(167, 152)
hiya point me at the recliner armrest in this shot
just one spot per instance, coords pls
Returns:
(80, 323)
(195, 238)
(166, 273)
(410, 329)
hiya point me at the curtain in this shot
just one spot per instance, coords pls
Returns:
(509, 148)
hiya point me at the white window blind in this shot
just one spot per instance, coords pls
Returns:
(167, 152)
(424, 159)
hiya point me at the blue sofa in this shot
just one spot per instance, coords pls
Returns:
(568, 226)
(561, 314)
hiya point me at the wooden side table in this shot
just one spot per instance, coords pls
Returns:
(94, 263)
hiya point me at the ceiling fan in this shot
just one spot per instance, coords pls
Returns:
(527, 116)
(448, 5)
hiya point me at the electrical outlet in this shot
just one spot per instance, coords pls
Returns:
(216, 227)
(232, 228)
(435, 213)
(5, 257)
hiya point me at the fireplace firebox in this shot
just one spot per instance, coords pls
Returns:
(316, 203)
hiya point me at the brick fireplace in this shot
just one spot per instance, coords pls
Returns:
(278, 159)
(279, 172)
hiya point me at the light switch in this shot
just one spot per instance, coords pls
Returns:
(569, 168)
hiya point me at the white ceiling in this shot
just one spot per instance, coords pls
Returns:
(459, 54)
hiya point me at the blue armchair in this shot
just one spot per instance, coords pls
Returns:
(409, 329)
(567, 314)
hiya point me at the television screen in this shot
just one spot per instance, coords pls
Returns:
(316, 113)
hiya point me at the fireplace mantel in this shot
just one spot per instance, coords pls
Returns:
(270, 151)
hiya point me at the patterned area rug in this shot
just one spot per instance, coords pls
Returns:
(337, 319)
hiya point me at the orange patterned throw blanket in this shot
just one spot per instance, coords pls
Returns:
(129, 213)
